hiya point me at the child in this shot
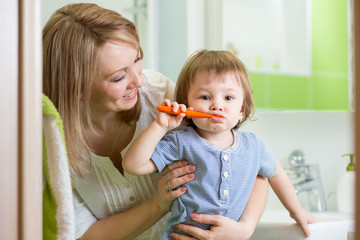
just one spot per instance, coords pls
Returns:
(227, 160)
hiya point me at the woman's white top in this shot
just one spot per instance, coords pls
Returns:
(104, 191)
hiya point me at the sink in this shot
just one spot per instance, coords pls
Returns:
(277, 224)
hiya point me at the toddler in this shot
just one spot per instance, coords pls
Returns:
(227, 160)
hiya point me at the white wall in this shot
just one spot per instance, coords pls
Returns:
(322, 136)
(181, 32)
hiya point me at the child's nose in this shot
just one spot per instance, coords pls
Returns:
(216, 106)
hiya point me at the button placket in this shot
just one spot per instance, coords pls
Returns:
(130, 190)
(225, 177)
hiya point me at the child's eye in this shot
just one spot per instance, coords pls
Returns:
(228, 98)
(204, 98)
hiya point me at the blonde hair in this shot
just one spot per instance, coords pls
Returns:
(218, 63)
(73, 40)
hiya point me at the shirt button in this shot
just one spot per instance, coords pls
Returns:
(226, 192)
(225, 157)
(226, 174)
(132, 198)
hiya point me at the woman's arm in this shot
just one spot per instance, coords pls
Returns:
(225, 228)
(127, 224)
(131, 223)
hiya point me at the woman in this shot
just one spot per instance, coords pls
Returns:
(93, 74)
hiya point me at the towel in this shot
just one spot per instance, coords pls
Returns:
(58, 210)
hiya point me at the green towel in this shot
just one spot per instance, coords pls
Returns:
(58, 212)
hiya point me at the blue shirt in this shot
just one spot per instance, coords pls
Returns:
(223, 178)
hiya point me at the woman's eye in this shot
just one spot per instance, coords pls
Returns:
(118, 76)
(118, 79)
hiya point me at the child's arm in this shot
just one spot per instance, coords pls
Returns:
(284, 189)
(137, 158)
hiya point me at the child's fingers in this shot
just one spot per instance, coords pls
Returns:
(305, 228)
(182, 107)
(166, 102)
(175, 106)
(180, 117)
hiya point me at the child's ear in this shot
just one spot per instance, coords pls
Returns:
(242, 110)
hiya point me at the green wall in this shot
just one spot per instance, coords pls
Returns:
(327, 86)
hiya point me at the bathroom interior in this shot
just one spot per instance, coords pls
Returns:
(299, 56)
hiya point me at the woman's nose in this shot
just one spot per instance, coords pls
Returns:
(137, 79)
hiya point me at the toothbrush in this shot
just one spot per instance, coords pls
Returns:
(188, 113)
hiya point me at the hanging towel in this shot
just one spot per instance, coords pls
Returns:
(58, 211)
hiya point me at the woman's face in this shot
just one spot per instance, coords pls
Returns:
(117, 91)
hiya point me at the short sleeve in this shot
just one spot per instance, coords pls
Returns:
(267, 160)
(83, 216)
(167, 151)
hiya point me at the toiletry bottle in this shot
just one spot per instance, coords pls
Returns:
(346, 188)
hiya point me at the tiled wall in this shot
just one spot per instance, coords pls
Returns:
(322, 136)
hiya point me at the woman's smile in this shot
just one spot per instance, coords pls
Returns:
(131, 95)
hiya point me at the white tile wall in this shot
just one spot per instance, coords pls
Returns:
(322, 136)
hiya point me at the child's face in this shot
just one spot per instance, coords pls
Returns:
(218, 95)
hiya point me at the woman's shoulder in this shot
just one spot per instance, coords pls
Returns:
(154, 76)
(158, 84)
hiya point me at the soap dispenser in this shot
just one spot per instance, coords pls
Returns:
(346, 188)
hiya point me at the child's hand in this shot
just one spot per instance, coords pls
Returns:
(303, 218)
(169, 121)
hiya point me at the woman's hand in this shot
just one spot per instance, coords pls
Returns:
(173, 176)
(221, 228)
(225, 228)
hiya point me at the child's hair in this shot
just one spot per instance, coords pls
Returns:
(218, 63)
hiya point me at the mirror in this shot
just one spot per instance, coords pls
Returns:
(299, 60)
(321, 93)
(298, 52)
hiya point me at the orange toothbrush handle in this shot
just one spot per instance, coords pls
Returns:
(188, 113)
